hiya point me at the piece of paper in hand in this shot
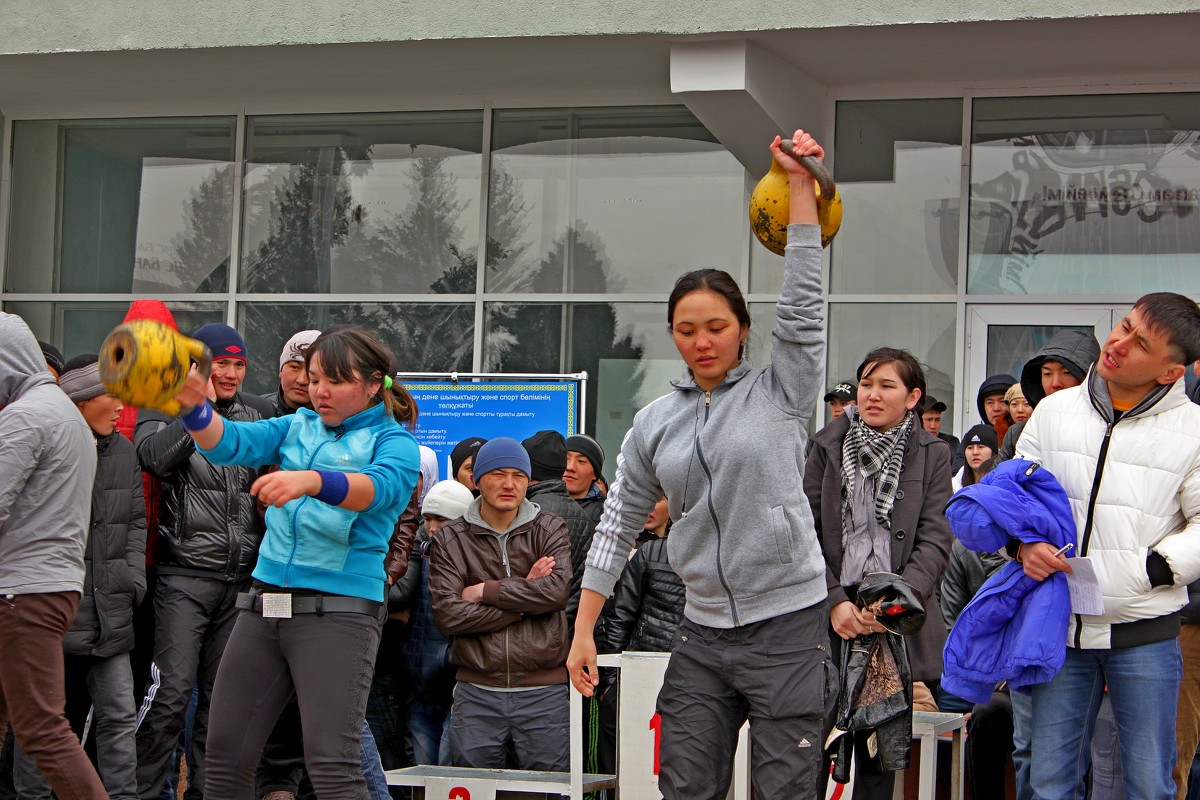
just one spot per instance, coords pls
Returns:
(1086, 597)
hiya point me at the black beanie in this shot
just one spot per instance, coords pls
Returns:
(462, 451)
(53, 356)
(981, 434)
(589, 448)
(547, 455)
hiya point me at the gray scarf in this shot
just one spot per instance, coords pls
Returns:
(866, 451)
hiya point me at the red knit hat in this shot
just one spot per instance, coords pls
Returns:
(151, 309)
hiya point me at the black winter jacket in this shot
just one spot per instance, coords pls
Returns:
(648, 608)
(115, 555)
(965, 574)
(593, 506)
(209, 523)
(553, 496)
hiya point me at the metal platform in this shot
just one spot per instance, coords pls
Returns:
(512, 780)
(465, 783)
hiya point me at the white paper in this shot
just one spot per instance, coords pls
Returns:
(1086, 597)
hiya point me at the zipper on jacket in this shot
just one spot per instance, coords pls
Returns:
(712, 512)
(1091, 513)
(287, 568)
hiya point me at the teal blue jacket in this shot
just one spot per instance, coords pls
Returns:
(310, 544)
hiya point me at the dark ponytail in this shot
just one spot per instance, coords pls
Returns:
(350, 353)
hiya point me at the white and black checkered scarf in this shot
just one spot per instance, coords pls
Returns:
(866, 451)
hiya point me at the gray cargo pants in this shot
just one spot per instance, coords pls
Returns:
(778, 674)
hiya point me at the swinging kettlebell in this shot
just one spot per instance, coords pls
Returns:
(769, 202)
(145, 363)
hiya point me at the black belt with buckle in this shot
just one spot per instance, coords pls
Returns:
(281, 605)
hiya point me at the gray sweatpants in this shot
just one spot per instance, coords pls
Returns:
(778, 674)
(535, 722)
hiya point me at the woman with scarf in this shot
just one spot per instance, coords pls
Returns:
(877, 484)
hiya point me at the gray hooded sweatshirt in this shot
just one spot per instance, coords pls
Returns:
(47, 467)
(1075, 350)
(731, 463)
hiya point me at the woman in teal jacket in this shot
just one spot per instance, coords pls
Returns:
(311, 622)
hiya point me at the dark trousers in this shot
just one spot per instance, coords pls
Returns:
(32, 694)
(778, 674)
(534, 724)
(193, 620)
(989, 746)
(282, 766)
(327, 660)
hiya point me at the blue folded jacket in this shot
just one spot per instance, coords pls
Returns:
(1015, 628)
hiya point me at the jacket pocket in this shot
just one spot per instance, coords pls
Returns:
(783, 534)
(324, 539)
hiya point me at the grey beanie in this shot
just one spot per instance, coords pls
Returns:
(80, 378)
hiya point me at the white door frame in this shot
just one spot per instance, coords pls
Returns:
(981, 317)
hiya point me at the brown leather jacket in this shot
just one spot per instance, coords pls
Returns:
(517, 636)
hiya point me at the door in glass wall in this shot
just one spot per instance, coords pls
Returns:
(1000, 339)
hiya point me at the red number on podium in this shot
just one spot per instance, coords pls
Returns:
(656, 726)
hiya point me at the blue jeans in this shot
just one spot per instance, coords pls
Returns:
(428, 724)
(372, 767)
(108, 684)
(1022, 730)
(1143, 687)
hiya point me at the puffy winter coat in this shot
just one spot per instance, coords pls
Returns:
(648, 606)
(115, 555)
(209, 524)
(1015, 627)
(920, 535)
(553, 496)
(1134, 486)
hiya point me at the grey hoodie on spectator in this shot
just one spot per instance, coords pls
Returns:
(47, 467)
(1075, 350)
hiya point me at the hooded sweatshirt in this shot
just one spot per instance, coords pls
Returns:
(47, 466)
(730, 462)
(1075, 350)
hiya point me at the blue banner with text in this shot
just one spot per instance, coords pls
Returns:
(450, 412)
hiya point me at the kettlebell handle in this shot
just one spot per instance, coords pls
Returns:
(815, 167)
(203, 356)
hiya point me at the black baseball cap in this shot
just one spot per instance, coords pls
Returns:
(933, 404)
(844, 391)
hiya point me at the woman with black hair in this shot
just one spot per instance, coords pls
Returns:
(311, 622)
(726, 450)
(877, 483)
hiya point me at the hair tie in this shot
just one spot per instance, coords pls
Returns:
(387, 381)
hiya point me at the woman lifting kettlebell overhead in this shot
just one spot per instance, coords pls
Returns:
(726, 448)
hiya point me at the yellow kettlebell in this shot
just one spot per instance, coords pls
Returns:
(145, 363)
(769, 202)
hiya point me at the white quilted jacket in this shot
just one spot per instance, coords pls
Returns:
(1147, 496)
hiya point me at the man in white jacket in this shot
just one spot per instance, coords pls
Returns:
(1125, 445)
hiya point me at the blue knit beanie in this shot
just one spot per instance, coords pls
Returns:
(502, 452)
(222, 340)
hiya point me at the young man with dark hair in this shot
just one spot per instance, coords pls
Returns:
(842, 395)
(1125, 445)
(498, 581)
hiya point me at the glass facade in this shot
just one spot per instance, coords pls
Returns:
(376, 219)
(1093, 195)
(547, 239)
